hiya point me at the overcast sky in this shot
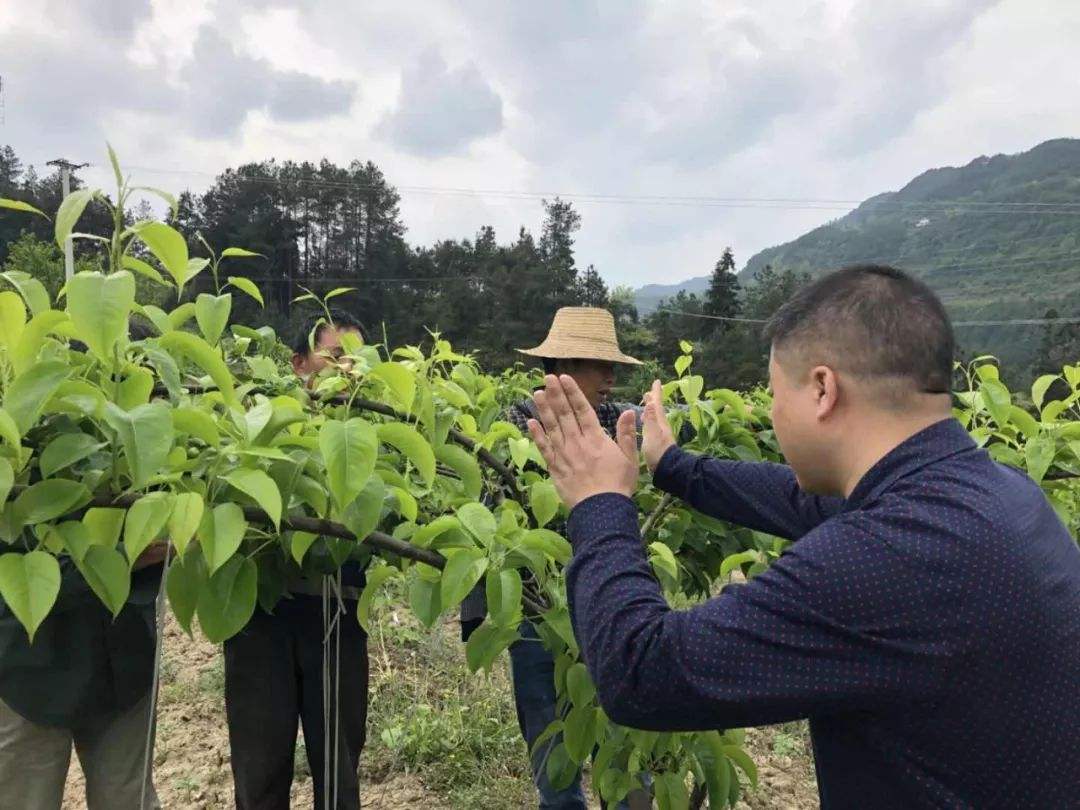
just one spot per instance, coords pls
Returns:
(837, 100)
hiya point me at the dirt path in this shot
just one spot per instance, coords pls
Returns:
(191, 757)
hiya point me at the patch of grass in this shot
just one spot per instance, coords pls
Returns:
(428, 713)
(211, 681)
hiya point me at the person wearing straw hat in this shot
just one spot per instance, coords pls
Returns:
(582, 344)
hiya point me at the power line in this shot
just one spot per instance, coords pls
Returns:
(1013, 322)
(778, 203)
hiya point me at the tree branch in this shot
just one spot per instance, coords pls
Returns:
(328, 528)
(656, 514)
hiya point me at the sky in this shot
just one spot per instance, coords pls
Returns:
(663, 122)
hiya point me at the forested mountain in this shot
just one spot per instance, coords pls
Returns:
(998, 239)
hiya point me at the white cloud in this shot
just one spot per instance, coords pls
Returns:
(748, 98)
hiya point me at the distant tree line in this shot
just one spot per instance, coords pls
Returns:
(322, 226)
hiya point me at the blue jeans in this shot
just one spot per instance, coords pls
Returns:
(532, 669)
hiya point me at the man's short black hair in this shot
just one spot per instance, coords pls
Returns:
(339, 318)
(551, 365)
(874, 322)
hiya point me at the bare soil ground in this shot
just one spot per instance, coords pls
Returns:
(420, 689)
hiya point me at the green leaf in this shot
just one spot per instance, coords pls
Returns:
(143, 269)
(184, 519)
(29, 584)
(399, 379)
(235, 252)
(220, 534)
(1040, 387)
(503, 591)
(485, 644)
(338, 291)
(663, 562)
(135, 389)
(464, 464)
(733, 561)
(425, 600)
(544, 501)
(196, 423)
(1025, 421)
(299, 545)
(33, 291)
(710, 753)
(375, 578)
(49, 499)
(478, 520)
(228, 600)
(579, 685)
(682, 363)
(7, 480)
(363, 513)
(561, 769)
(246, 285)
(429, 531)
(743, 761)
(145, 523)
(19, 205)
(69, 212)
(28, 393)
(1039, 454)
(261, 488)
(463, 570)
(997, 400)
(406, 503)
(106, 572)
(212, 315)
(553, 545)
(411, 444)
(103, 525)
(99, 306)
(146, 434)
(12, 319)
(168, 247)
(349, 450)
(32, 339)
(184, 581)
(65, 450)
(180, 316)
(203, 355)
(579, 733)
(9, 431)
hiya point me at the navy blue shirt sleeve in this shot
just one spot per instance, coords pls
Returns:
(816, 633)
(762, 496)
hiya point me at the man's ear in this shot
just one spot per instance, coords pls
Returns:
(826, 390)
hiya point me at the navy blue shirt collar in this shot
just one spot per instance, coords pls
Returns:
(940, 440)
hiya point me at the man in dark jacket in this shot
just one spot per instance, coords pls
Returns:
(927, 610)
(84, 682)
(278, 668)
(581, 343)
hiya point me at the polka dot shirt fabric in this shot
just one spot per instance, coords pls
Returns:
(928, 626)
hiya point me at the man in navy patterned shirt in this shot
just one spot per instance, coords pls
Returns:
(927, 618)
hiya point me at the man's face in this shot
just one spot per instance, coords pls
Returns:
(327, 350)
(595, 378)
(804, 437)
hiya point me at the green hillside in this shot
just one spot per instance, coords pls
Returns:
(998, 238)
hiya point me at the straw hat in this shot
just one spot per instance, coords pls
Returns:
(582, 333)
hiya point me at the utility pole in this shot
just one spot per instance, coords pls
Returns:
(66, 168)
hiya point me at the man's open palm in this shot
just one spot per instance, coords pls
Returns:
(657, 436)
(582, 459)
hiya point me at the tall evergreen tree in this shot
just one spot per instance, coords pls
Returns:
(722, 298)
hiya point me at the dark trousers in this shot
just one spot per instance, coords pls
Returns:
(274, 678)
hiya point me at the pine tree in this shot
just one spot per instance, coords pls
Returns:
(722, 298)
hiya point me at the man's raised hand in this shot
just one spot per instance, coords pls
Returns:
(582, 459)
(656, 430)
